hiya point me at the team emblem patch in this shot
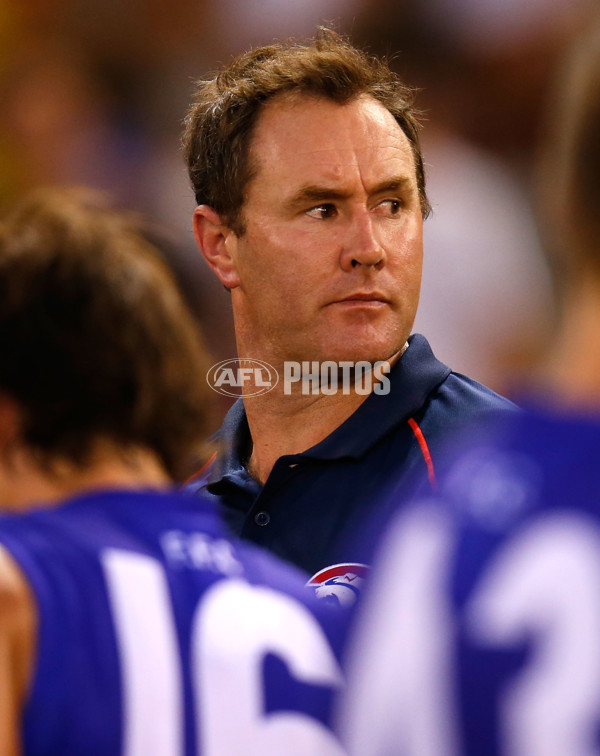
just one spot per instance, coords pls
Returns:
(340, 583)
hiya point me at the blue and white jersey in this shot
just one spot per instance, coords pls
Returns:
(158, 637)
(480, 634)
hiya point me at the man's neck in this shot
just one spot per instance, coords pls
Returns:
(283, 424)
(290, 425)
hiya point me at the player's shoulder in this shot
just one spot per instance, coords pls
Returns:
(532, 456)
(18, 619)
(515, 476)
(16, 606)
(18, 626)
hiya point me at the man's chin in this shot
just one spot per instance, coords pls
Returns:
(354, 354)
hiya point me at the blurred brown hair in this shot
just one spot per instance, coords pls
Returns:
(219, 125)
(95, 340)
(570, 165)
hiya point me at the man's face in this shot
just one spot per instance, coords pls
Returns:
(329, 265)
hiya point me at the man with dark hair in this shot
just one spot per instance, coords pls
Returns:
(307, 170)
(129, 624)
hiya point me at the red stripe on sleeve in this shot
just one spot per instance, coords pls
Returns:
(425, 451)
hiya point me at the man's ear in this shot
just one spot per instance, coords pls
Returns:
(214, 240)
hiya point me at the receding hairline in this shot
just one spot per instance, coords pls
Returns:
(220, 123)
(298, 97)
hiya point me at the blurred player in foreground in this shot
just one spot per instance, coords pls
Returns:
(129, 625)
(481, 634)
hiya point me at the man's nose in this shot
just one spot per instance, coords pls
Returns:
(362, 246)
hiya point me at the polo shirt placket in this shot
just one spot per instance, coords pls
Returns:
(313, 503)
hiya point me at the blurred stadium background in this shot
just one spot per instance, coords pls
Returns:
(94, 93)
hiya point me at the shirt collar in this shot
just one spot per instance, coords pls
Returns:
(412, 379)
(234, 442)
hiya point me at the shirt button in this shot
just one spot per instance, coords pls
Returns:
(262, 518)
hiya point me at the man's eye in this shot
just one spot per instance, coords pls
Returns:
(390, 206)
(322, 212)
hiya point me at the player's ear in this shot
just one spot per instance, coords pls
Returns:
(215, 241)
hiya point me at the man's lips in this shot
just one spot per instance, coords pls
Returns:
(363, 298)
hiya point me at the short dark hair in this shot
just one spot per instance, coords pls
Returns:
(219, 125)
(95, 339)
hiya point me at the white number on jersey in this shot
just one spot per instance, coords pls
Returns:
(398, 703)
(234, 626)
(543, 585)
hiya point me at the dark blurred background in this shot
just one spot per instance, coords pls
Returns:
(94, 93)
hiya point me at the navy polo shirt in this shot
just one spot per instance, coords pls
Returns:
(313, 503)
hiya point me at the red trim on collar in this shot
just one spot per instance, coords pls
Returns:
(202, 470)
(425, 451)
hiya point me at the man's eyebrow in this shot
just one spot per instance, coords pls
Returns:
(315, 193)
(320, 193)
(394, 184)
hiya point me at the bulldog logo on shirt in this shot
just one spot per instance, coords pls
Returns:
(340, 583)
